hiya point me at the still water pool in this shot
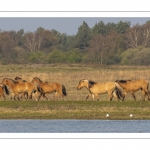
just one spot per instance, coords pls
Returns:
(74, 126)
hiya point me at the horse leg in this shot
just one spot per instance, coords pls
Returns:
(144, 94)
(46, 96)
(133, 96)
(125, 93)
(55, 94)
(148, 95)
(16, 95)
(4, 97)
(26, 95)
(40, 96)
(110, 93)
(29, 95)
(88, 96)
(96, 96)
(92, 96)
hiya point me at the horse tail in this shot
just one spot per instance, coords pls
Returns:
(64, 90)
(6, 89)
(118, 91)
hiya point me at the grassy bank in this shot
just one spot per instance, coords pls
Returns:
(74, 110)
(75, 106)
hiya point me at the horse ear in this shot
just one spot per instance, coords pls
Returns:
(85, 80)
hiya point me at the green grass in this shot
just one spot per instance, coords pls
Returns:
(74, 110)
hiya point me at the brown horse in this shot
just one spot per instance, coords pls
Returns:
(95, 89)
(20, 80)
(46, 87)
(131, 86)
(17, 87)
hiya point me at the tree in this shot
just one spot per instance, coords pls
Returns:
(121, 27)
(145, 34)
(39, 40)
(83, 36)
(97, 48)
(30, 41)
(133, 36)
(99, 28)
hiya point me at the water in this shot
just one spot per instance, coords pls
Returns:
(74, 126)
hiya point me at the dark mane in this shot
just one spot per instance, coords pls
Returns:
(38, 79)
(122, 81)
(18, 78)
(13, 81)
(91, 83)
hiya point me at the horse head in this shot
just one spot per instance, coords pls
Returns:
(83, 83)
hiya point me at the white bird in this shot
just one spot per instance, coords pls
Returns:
(107, 115)
(131, 115)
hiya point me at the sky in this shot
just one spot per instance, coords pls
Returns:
(68, 25)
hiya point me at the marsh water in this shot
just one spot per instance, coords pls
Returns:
(75, 126)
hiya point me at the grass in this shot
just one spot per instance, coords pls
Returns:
(74, 110)
(75, 106)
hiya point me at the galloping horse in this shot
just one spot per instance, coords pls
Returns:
(16, 87)
(46, 87)
(95, 89)
(131, 86)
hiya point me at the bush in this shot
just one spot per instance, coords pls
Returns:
(56, 56)
(136, 56)
(74, 56)
(36, 57)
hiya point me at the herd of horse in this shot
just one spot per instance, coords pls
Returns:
(18, 88)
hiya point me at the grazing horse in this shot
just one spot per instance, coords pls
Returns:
(17, 87)
(131, 86)
(46, 87)
(95, 89)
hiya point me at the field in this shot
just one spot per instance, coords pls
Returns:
(75, 106)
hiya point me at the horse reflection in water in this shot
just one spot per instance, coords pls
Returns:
(131, 86)
(46, 87)
(112, 88)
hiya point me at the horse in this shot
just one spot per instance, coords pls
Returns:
(20, 80)
(17, 88)
(131, 86)
(95, 88)
(46, 87)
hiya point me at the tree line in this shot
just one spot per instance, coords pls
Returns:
(103, 44)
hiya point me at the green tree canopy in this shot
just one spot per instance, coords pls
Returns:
(83, 36)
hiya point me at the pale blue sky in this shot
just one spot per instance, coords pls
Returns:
(66, 25)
